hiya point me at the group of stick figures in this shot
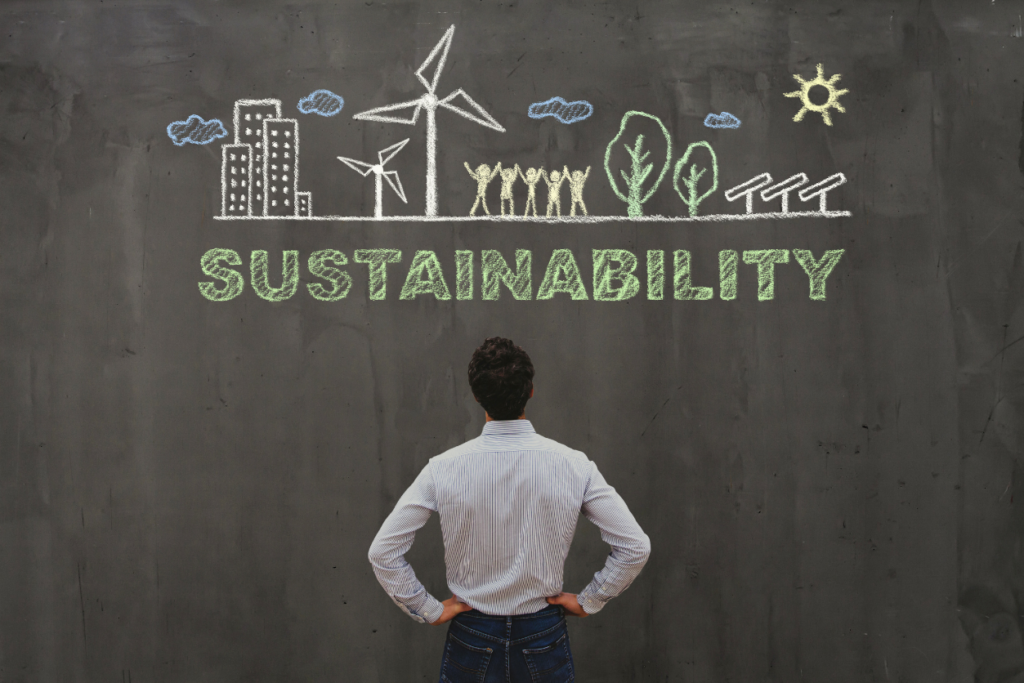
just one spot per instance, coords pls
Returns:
(484, 174)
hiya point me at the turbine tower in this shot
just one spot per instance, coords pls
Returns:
(430, 102)
(364, 169)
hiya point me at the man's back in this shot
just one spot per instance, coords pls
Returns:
(508, 503)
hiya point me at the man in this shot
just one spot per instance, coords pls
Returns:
(508, 501)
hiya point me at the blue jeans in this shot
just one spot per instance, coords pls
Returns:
(529, 648)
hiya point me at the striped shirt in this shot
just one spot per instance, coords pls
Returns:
(508, 502)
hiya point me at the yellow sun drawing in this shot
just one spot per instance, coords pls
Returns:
(804, 93)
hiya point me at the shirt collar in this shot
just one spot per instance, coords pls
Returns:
(508, 428)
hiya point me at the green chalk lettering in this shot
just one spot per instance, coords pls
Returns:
(606, 275)
(260, 276)
(496, 272)
(341, 282)
(818, 271)
(655, 274)
(684, 289)
(562, 263)
(766, 260)
(377, 260)
(727, 265)
(463, 275)
(234, 283)
(425, 263)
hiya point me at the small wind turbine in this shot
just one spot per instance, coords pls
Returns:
(430, 102)
(364, 169)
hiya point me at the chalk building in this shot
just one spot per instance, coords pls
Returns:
(281, 147)
(236, 178)
(249, 117)
(304, 203)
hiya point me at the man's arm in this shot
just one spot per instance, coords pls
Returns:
(630, 545)
(387, 552)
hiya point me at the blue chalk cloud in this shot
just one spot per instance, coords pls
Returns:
(195, 130)
(723, 120)
(566, 112)
(322, 102)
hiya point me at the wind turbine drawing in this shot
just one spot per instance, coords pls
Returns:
(364, 169)
(430, 102)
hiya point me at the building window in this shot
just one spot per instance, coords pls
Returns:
(273, 132)
(287, 133)
(273, 203)
(285, 167)
(286, 203)
(248, 117)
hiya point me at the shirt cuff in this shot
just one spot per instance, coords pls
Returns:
(590, 603)
(432, 609)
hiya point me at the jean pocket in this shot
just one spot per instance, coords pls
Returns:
(550, 664)
(464, 663)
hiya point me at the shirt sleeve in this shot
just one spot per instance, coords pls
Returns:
(631, 547)
(396, 535)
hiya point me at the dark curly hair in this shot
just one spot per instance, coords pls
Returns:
(501, 377)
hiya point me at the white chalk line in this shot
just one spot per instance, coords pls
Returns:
(709, 218)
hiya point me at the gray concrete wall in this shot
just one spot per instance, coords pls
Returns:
(833, 489)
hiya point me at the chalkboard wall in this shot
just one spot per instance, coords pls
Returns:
(190, 479)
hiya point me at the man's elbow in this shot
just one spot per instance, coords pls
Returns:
(640, 551)
(376, 554)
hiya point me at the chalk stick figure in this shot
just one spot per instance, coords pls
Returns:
(483, 176)
(554, 181)
(532, 177)
(508, 176)
(576, 180)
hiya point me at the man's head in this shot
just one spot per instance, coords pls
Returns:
(501, 377)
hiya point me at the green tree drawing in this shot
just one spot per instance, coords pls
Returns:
(634, 196)
(691, 198)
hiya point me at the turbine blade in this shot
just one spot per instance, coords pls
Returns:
(442, 47)
(376, 114)
(355, 166)
(391, 151)
(481, 116)
(395, 184)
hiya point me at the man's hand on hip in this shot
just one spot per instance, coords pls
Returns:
(452, 608)
(569, 602)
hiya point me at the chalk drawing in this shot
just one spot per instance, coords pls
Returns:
(691, 198)
(654, 218)
(233, 281)
(364, 169)
(495, 271)
(260, 277)
(236, 175)
(804, 93)
(281, 167)
(341, 281)
(748, 189)
(723, 120)
(429, 102)
(554, 181)
(248, 122)
(483, 175)
(655, 274)
(377, 261)
(783, 189)
(508, 177)
(532, 177)
(463, 275)
(817, 271)
(576, 180)
(821, 190)
(728, 261)
(766, 260)
(425, 263)
(195, 130)
(322, 102)
(556, 107)
(683, 280)
(607, 275)
(634, 195)
(562, 276)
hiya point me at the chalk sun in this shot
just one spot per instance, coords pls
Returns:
(804, 93)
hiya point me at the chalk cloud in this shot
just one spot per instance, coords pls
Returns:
(322, 102)
(195, 130)
(723, 120)
(566, 112)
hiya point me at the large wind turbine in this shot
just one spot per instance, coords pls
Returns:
(364, 169)
(430, 102)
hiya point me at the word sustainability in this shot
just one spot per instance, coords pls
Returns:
(615, 274)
